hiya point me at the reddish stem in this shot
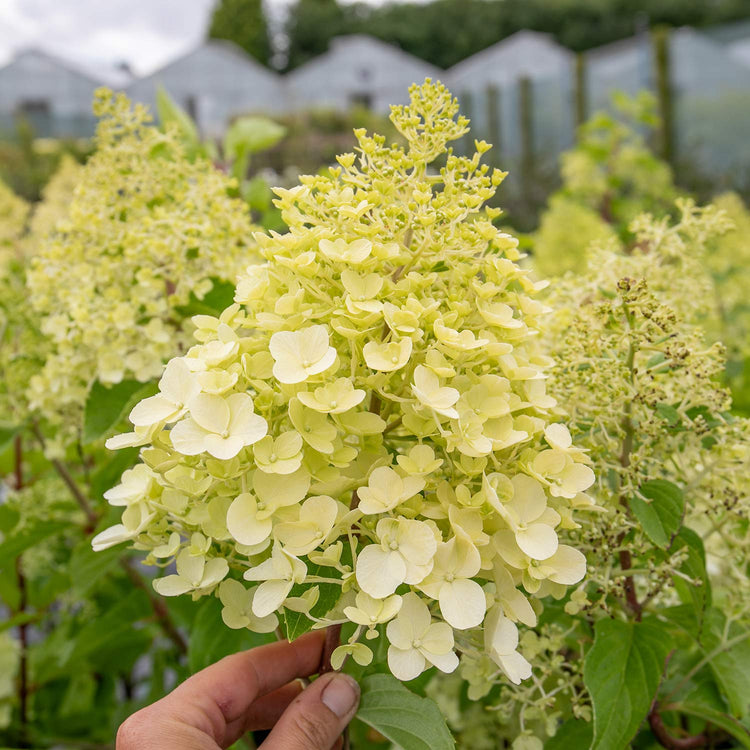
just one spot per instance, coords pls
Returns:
(333, 637)
(667, 740)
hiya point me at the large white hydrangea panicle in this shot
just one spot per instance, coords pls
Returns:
(364, 436)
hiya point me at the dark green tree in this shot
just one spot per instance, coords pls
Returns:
(445, 32)
(310, 27)
(244, 23)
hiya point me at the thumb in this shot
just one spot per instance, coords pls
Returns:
(317, 716)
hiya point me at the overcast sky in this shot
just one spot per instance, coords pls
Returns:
(145, 33)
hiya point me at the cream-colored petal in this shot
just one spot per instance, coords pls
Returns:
(153, 410)
(110, 537)
(462, 603)
(171, 586)
(569, 565)
(188, 437)
(278, 491)
(269, 596)
(529, 499)
(405, 664)
(515, 667)
(243, 523)
(210, 412)
(223, 448)
(538, 541)
(444, 662)
(177, 383)
(378, 572)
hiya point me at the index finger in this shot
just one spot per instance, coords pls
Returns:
(222, 694)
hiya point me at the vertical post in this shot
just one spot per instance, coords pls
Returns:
(526, 133)
(664, 92)
(494, 133)
(467, 107)
(580, 89)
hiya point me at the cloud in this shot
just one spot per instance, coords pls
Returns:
(145, 33)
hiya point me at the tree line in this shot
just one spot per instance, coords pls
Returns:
(444, 32)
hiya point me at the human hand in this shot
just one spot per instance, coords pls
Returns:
(255, 689)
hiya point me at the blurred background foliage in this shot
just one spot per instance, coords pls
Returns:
(445, 32)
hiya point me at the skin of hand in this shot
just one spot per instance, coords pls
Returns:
(255, 689)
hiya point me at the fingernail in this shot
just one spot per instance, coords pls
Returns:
(340, 694)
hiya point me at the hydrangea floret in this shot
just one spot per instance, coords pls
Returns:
(364, 437)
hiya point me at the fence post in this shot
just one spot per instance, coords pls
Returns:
(526, 128)
(467, 108)
(494, 132)
(580, 91)
(664, 94)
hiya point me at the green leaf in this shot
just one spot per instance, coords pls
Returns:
(7, 433)
(9, 517)
(109, 473)
(622, 672)
(573, 733)
(684, 617)
(704, 701)
(661, 518)
(411, 722)
(107, 405)
(172, 115)
(108, 631)
(669, 414)
(257, 194)
(37, 532)
(297, 623)
(729, 652)
(249, 135)
(213, 303)
(693, 567)
(722, 720)
(86, 567)
(211, 639)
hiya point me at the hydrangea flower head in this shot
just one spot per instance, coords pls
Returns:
(148, 231)
(367, 451)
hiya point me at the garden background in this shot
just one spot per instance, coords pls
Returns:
(616, 120)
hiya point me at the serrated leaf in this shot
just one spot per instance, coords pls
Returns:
(409, 721)
(107, 405)
(661, 518)
(622, 673)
